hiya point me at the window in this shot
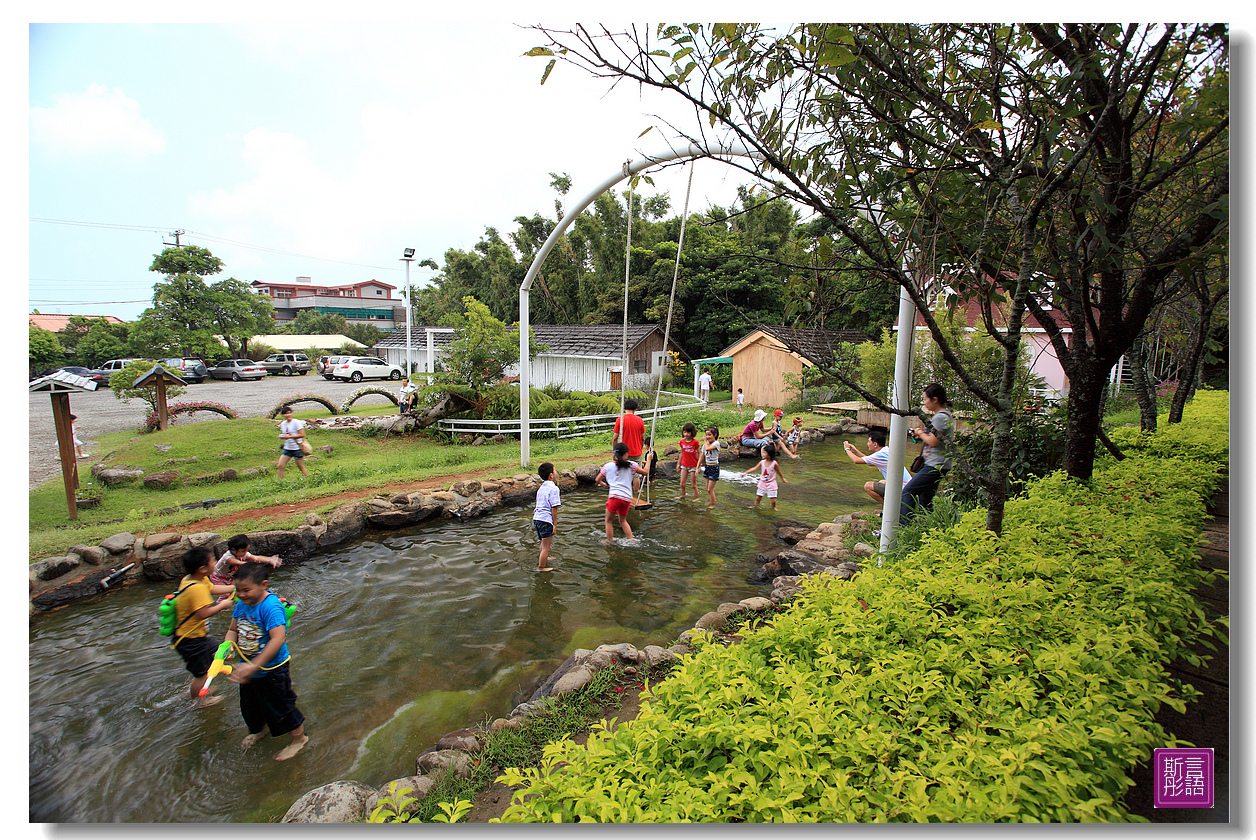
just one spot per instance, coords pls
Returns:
(283, 293)
(640, 365)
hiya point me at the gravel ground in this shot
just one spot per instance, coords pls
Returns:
(99, 412)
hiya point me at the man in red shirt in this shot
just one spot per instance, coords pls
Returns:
(631, 430)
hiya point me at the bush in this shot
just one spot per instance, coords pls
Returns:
(983, 678)
(1037, 443)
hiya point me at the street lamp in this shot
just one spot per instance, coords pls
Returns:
(407, 259)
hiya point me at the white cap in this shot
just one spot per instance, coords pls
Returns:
(759, 414)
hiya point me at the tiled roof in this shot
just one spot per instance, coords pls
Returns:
(603, 341)
(56, 323)
(815, 344)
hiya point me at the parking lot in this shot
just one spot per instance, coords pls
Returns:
(99, 412)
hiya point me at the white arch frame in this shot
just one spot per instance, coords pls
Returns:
(626, 171)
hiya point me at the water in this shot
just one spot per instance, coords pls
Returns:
(398, 638)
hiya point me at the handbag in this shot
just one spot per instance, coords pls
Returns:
(918, 464)
(306, 449)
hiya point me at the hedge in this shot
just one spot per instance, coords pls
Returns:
(982, 679)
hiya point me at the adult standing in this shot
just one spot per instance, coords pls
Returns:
(291, 432)
(704, 386)
(755, 434)
(878, 456)
(630, 429)
(938, 437)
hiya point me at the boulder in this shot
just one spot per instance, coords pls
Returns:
(500, 438)
(162, 480)
(726, 609)
(794, 562)
(314, 520)
(436, 763)
(155, 541)
(505, 723)
(577, 677)
(654, 654)
(52, 568)
(119, 544)
(295, 543)
(478, 507)
(113, 476)
(587, 473)
(88, 553)
(339, 802)
(163, 560)
(518, 495)
(445, 496)
(862, 549)
(228, 475)
(567, 483)
(326, 448)
(417, 787)
(396, 517)
(344, 523)
(480, 440)
(711, 621)
(162, 447)
(465, 740)
(756, 603)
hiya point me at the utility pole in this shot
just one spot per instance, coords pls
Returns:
(176, 236)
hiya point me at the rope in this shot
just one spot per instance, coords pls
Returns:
(671, 301)
(623, 376)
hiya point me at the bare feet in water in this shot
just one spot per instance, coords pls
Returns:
(293, 748)
(206, 702)
(251, 739)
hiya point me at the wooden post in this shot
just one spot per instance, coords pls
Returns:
(162, 417)
(65, 445)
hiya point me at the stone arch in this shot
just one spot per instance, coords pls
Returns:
(383, 392)
(300, 398)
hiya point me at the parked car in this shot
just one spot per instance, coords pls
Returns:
(320, 365)
(357, 368)
(237, 369)
(287, 363)
(187, 369)
(101, 374)
(329, 366)
(74, 369)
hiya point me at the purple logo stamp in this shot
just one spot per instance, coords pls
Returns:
(1183, 777)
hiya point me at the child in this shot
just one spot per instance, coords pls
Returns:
(771, 472)
(259, 634)
(291, 433)
(619, 474)
(545, 516)
(406, 396)
(689, 459)
(78, 444)
(193, 604)
(711, 459)
(237, 555)
(649, 460)
(741, 398)
(794, 438)
(777, 435)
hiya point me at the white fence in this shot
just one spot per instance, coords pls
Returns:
(563, 427)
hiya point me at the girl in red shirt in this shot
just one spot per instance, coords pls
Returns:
(689, 458)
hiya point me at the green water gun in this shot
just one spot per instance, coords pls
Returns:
(218, 666)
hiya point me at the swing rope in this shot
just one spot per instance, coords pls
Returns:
(623, 376)
(667, 331)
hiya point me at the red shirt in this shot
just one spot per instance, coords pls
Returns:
(689, 453)
(633, 431)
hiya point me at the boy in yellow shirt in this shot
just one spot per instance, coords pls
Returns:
(194, 603)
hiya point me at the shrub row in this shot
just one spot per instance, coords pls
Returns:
(981, 679)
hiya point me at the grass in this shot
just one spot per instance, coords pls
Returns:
(358, 462)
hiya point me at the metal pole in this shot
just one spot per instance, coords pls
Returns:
(409, 318)
(690, 151)
(898, 423)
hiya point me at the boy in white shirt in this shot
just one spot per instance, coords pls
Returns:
(545, 516)
(878, 457)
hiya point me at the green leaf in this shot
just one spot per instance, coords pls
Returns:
(548, 68)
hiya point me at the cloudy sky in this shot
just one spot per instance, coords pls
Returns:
(312, 150)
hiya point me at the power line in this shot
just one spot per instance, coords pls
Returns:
(235, 242)
(86, 302)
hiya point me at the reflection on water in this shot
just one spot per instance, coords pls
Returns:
(397, 639)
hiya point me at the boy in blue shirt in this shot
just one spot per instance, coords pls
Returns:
(545, 515)
(258, 633)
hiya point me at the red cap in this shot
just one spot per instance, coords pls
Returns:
(778, 413)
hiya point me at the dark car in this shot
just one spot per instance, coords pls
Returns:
(237, 369)
(187, 369)
(74, 369)
(101, 374)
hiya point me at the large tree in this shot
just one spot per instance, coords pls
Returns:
(1025, 165)
(193, 310)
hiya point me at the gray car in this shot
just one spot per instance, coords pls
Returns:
(187, 369)
(287, 364)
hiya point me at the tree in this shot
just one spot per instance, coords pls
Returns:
(102, 342)
(191, 311)
(122, 383)
(482, 349)
(1015, 163)
(45, 350)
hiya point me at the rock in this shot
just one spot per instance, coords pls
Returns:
(214, 542)
(679, 650)
(757, 604)
(577, 677)
(490, 486)
(88, 553)
(500, 438)
(587, 473)
(314, 520)
(524, 710)
(791, 534)
(228, 475)
(505, 723)
(174, 462)
(479, 441)
(114, 476)
(466, 438)
(445, 496)
(119, 544)
(524, 477)
(478, 507)
(461, 739)
(155, 541)
(728, 609)
(654, 654)
(295, 543)
(439, 762)
(794, 562)
(399, 498)
(226, 456)
(379, 504)
(53, 567)
(711, 621)
(344, 523)
(518, 495)
(862, 549)
(339, 802)
(162, 447)
(567, 483)
(411, 786)
(670, 450)
(326, 449)
(727, 456)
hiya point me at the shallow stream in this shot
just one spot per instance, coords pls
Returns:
(398, 638)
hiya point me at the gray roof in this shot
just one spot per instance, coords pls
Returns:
(602, 341)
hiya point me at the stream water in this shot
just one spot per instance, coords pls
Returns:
(397, 639)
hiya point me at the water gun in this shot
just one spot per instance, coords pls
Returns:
(288, 609)
(218, 666)
(114, 576)
(166, 614)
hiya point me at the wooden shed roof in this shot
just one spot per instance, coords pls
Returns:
(815, 345)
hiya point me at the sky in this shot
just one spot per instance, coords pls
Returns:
(312, 150)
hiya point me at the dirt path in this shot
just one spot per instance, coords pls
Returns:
(222, 524)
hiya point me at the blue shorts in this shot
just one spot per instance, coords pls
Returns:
(292, 453)
(712, 472)
(543, 529)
